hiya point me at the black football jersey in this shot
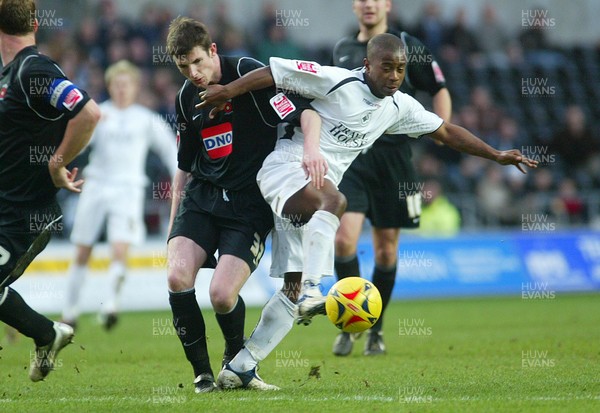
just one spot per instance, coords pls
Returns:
(36, 103)
(422, 71)
(228, 150)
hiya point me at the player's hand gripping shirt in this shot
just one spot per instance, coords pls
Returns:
(228, 150)
(352, 117)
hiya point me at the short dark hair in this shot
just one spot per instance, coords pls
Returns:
(17, 17)
(185, 34)
(384, 42)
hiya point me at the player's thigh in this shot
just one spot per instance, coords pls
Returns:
(184, 260)
(125, 221)
(90, 215)
(227, 281)
(346, 238)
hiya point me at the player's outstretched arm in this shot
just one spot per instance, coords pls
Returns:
(313, 162)
(462, 140)
(218, 95)
(78, 134)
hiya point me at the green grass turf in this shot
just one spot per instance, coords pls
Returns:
(456, 355)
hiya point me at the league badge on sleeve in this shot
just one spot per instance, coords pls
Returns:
(282, 104)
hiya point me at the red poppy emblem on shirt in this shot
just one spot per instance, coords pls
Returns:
(228, 108)
(3, 90)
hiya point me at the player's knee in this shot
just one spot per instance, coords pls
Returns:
(179, 280)
(344, 245)
(335, 203)
(222, 302)
(386, 255)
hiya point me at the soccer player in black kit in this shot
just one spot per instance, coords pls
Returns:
(217, 205)
(45, 121)
(381, 184)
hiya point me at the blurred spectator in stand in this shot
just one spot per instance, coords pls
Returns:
(568, 206)
(461, 43)
(430, 29)
(538, 50)
(575, 144)
(488, 114)
(495, 198)
(277, 44)
(492, 37)
(439, 217)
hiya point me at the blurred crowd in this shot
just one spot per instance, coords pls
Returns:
(514, 90)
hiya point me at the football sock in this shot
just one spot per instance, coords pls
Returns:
(15, 312)
(347, 267)
(384, 279)
(190, 328)
(76, 277)
(116, 277)
(232, 326)
(317, 245)
(276, 320)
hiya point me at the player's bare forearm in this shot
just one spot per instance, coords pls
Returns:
(313, 162)
(177, 193)
(77, 136)
(217, 95)
(442, 104)
(462, 140)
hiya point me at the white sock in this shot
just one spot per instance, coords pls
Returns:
(318, 243)
(75, 282)
(116, 276)
(276, 320)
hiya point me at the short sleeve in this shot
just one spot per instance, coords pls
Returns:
(187, 146)
(306, 78)
(413, 119)
(423, 71)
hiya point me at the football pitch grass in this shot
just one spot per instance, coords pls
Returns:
(493, 354)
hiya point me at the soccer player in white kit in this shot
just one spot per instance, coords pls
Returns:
(114, 188)
(356, 108)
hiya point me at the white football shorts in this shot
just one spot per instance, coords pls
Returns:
(120, 207)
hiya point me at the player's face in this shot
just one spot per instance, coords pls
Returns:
(370, 13)
(123, 90)
(198, 65)
(386, 72)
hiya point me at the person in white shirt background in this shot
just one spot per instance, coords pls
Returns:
(113, 192)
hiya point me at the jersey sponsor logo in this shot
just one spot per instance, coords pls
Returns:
(437, 72)
(3, 90)
(64, 94)
(348, 137)
(218, 140)
(366, 118)
(309, 67)
(282, 105)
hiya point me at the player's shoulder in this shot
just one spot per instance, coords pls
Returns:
(34, 63)
(345, 42)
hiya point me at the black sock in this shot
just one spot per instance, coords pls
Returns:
(15, 312)
(384, 279)
(190, 328)
(232, 326)
(347, 267)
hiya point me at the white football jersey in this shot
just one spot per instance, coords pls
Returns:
(353, 118)
(121, 142)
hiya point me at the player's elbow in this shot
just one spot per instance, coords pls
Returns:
(93, 113)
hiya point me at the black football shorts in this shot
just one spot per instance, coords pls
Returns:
(230, 222)
(382, 184)
(24, 233)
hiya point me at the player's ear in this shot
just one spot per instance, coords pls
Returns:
(366, 64)
(212, 50)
